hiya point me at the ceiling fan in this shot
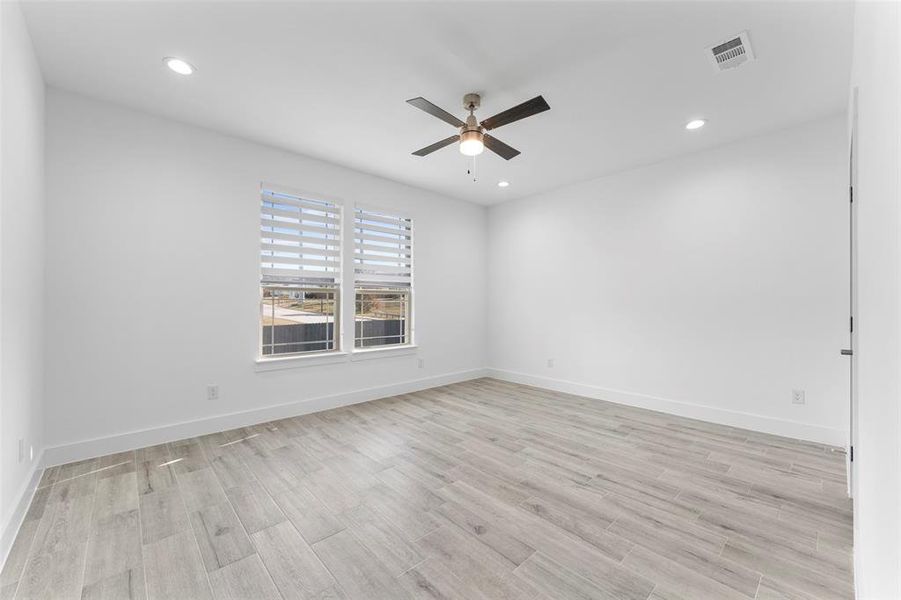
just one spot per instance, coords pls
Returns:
(472, 137)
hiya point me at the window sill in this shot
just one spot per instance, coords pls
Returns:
(293, 362)
(385, 352)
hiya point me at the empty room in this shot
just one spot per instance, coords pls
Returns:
(376, 300)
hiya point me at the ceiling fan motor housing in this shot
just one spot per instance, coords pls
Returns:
(471, 125)
(471, 133)
(471, 138)
(472, 129)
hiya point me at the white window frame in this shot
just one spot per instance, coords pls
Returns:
(387, 349)
(408, 319)
(270, 361)
(336, 323)
(345, 314)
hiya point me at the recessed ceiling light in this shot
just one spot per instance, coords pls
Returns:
(503, 183)
(695, 124)
(179, 66)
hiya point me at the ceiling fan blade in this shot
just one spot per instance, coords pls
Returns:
(435, 111)
(521, 111)
(437, 145)
(499, 147)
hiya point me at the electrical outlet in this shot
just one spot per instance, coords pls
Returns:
(21, 450)
(212, 392)
(421, 363)
(550, 363)
(798, 397)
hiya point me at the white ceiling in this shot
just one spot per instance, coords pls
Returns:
(329, 80)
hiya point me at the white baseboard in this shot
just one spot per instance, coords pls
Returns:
(721, 416)
(66, 453)
(10, 528)
(147, 437)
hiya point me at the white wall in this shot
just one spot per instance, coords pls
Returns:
(152, 271)
(709, 286)
(21, 265)
(877, 497)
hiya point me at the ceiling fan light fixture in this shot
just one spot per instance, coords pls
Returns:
(471, 143)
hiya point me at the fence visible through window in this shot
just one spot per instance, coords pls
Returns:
(298, 320)
(381, 318)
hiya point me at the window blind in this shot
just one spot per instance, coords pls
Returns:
(300, 240)
(383, 249)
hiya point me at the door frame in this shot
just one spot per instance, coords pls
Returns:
(853, 202)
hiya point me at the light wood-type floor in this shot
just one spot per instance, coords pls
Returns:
(478, 490)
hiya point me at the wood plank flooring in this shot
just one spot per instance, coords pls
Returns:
(478, 490)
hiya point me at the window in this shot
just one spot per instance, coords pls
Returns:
(298, 320)
(300, 274)
(383, 279)
(381, 317)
